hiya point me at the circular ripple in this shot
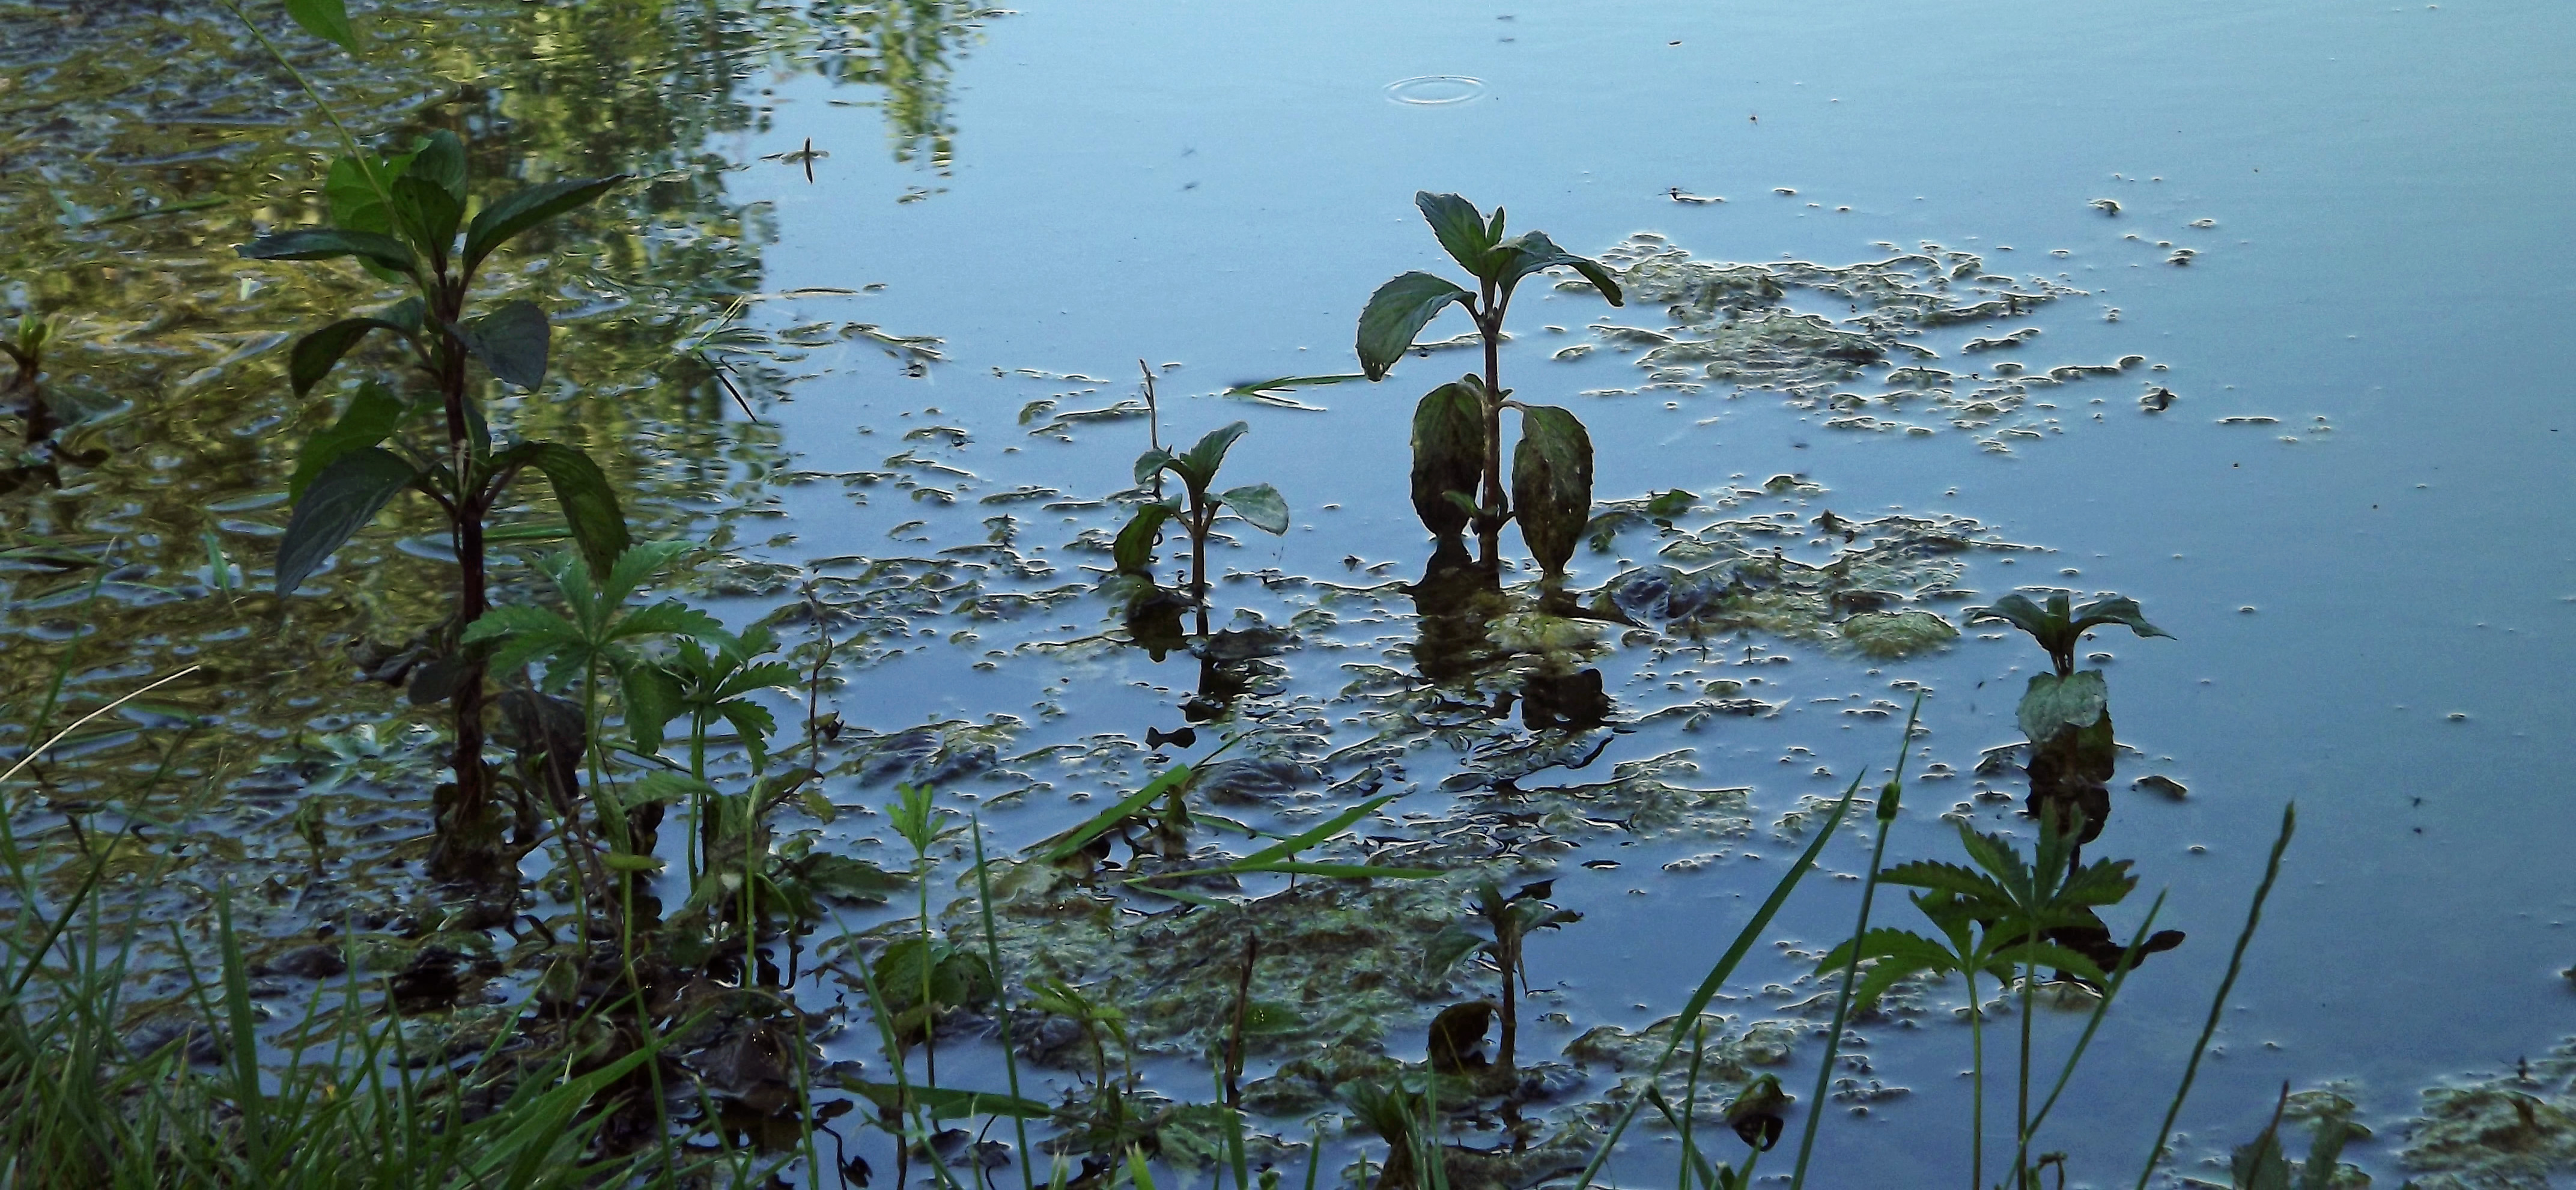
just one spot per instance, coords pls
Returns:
(1434, 90)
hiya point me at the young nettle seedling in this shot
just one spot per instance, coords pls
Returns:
(2067, 713)
(1457, 428)
(403, 217)
(1258, 505)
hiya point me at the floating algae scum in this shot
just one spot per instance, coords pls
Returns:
(1298, 863)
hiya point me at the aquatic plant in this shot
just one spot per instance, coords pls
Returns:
(1458, 428)
(2066, 714)
(1509, 920)
(1258, 505)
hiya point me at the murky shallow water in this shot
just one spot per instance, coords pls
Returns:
(1108, 184)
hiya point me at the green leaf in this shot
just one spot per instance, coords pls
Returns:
(317, 353)
(1460, 227)
(1446, 948)
(1278, 384)
(651, 695)
(1260, 504)
(1532, 252)
(2117, 610)
(1552, 484)
(353, 201)
(1100, 823)
(2050, 954)
(1448, 454)
(1396, 313)
(2051, 702)
(1151, 463)
(1312, 836)
(1944, 877)
(372, 415)
(326, 19)
(625, 862)
(439, 159)
(1290, 867)
(330, 243)
(1133, 552)
(637, 566)
(523, 633)
(589, 504)
(1199, 464)
(511, 341)
(667, 618)
(342, 498)
(517, 212)
(854, 880)
(427, 212)
(946, 1102)
(664, 787)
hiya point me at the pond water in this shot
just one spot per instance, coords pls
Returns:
(2336, 237)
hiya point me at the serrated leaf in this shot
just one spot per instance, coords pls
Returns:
(331, 243)
(372, 415)
(326, 19)
(2051, 703)
(1396, 313)
(339, 501)
(512, 341)
(505, 218)
(1459, 227)
(1259, 504)
(650, 696)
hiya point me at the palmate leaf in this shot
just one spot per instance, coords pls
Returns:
(753, 723)
(1260, 505)
(505, 218)
(339, 501)
(2050, 954)
(2102, 882)
(521, 634)
(668, 618)
(1396, 313)
(636, 566)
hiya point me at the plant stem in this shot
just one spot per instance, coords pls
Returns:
(2218, 1003)
(1976, 1086)
(993, 958)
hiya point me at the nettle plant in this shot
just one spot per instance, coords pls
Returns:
(1197, 509)
(1458, 427)
(404, 218)
(2067, 713)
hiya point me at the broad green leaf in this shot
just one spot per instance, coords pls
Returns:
(1205, 458)
(1446, 948)
(519, 211)
(428, 213)
(2017, 609)
(1133, 552)
(854, 880)
(651, 698)
(372, 415)
(330, 243)
(1396, 313)
(337, 503)
(317, 353)
(1532, 252)
(2051, 702)
(1552, 484)
(1460, 227)
(1261, 505)
(353, 202)
(511, 341)
(326, 19)
(439, 159)
(2117, 610)
(1448, 454)
(1151, 464)
(589, 504)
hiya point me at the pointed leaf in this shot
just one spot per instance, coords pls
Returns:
(1945, 877)
(1151, 464)
(1261, 505)
(330, 243)
(1396, 313)
(754, 723)
(589, 504)
(439, 159)
(518, 212)
(2050, 954)
(637, 566)
(1205, 458)
(427, 212)
(372, 415)
(1446, 948)
(317, 353)
(326, 19)
(1532, 252)
(1448, 455)
(668, 618)
(1460, 227)
(2117, 610)
(651, 696)
(337, 503)
(2021, 613)
(511, 341)
(1133, 552)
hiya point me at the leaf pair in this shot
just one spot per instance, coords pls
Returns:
(2057, 628)
(1401, 307)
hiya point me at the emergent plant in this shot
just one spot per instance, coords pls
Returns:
(1258, 505)
(1457, 428)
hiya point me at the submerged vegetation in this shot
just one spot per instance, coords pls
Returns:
(267, 925)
